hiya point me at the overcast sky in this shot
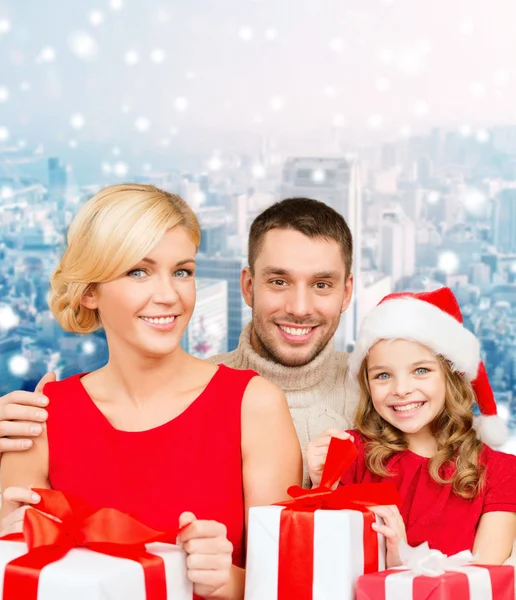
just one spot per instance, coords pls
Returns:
(236, 68)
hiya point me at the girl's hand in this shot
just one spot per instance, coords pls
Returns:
(15, 501)
(317, 451)
(209, 560)
(393, 530)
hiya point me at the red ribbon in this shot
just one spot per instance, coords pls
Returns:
(296, 543)
(107, 531)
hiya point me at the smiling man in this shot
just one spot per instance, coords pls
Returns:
(298, 283)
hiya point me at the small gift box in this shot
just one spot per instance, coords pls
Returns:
(431, 575)
(314, 546)
(69, 550)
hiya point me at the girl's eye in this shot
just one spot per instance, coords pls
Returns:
(137, 273)
(422, 371)
(382, 376)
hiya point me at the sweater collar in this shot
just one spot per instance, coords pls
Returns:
(287, 378)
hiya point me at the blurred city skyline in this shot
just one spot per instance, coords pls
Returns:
(398, 113)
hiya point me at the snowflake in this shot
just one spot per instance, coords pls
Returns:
(4, 94)
(375, 121)
(258, 171)
(5, 26)
(318, 175)
(125, 108)
(147, 167)
(330, 91)
(173, 131)
(473, 200)
(96, 17)
(25, 86)
(19, 365)
(22, 144)
(190, 75)
(83, 45)
(72, 144)
(47, 55)
(116, 4)
(131, 58)
(482, 136)
(214, 163)
(246, 34)
(336, 44)
(448, 262)
(6, 192)
(106, 167)
(409, 62)
(115, 151)
(433, 197)
(181, 103)
(77, 121)
(142, 124)
(465, 131)
(157, 56)
(271, 33)
(382, 84)
(405, 131)
(4, 134)
(165, 142)
(421, 109)
(257, 119)
(276, 103)
(88, 347)
(120, 169)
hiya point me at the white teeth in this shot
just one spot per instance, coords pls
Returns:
(296, 331)
(159, 321)
(408, 407)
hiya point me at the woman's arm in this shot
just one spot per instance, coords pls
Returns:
(495, 537)
(271, 458)
(24, 470)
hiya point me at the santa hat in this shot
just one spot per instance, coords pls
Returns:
(434, 320)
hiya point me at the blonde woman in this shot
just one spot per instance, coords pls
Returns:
(164, 436)
(419, 373)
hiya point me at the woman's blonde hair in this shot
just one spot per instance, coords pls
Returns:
(111, 233)
(458, 449)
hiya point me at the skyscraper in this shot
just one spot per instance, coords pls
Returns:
(504, 221)
(335, 181)
(397, 245)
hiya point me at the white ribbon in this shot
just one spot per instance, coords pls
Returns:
(432, 563)
(421, 560)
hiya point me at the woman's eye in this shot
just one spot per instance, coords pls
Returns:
(422, 371)
(137, 273)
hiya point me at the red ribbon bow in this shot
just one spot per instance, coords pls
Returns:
(296, 544)
(62, 522)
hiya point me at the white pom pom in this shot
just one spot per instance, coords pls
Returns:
(492, 430)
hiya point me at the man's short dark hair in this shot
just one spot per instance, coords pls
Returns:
(310, 217)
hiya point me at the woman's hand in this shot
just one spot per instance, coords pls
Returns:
(393, 530)
(15, 501)
(317, 452)
(209, 560)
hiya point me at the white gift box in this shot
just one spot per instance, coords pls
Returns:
(338, 553)
(86, 575)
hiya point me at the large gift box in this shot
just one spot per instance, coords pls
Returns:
(314, 546)
(430, 575)
(70, 551)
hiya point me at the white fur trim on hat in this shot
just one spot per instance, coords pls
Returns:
(492, 430)
(418, 321)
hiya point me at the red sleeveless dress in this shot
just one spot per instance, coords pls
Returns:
(192, 463)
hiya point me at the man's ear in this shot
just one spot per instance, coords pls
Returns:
(246, 286)
(89, 299)
(348, 293)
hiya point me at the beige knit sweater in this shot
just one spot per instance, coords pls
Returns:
(316, 392)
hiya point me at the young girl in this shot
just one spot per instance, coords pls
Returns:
(414, 362)
(161, 432)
